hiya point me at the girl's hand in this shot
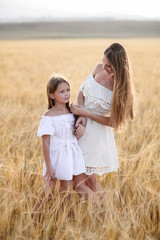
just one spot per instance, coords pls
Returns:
(79, 110)
(79, 131)
(50, 175)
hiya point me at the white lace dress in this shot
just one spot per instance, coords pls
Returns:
(65, 155)
(98, 143)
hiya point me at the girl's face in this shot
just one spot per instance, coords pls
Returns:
(106, 65)
(62, 93)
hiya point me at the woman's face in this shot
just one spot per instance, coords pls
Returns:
(106, 65)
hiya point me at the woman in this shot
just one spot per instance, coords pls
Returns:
(105, 99)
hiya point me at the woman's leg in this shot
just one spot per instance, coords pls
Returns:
(92, 183)
(81, 188)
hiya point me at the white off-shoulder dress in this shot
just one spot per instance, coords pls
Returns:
(98, 144)
(65, 155)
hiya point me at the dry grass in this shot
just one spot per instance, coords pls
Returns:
(132, 201)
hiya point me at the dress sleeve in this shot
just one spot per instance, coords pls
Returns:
(46, 126)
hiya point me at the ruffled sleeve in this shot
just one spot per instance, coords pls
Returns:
(96, 93)
(46, 126)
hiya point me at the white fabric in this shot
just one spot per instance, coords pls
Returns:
(65, 155)
(98, 144)
(97, 97)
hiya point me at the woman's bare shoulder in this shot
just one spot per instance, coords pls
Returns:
(97, 69)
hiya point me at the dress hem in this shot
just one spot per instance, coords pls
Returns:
(92, 171)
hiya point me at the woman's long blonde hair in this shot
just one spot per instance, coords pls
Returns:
(122, 107)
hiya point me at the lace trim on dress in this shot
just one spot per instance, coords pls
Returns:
(100, 170)
(104, 104)
(96, 93)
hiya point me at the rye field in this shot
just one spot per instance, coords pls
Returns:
(131, 209)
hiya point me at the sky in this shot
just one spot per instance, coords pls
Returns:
(11, 10)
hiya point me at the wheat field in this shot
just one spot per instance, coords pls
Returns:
(131, 208)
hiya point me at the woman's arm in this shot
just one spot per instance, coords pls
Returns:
(46, 154)
(100, 119)
(84, 112)
(80, 98)
(80, 101)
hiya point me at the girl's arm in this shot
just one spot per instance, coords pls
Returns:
(46, 154)
(84, 112)
(79, 131)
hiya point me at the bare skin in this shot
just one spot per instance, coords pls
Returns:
(82, 189)
(61, 97)
(103, 74)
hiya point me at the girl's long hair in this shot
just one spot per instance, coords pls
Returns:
(122, 107)
(52, 85)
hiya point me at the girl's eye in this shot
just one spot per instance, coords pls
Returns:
(68, 90)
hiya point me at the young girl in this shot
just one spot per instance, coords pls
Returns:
(106, 91)
(63, 158)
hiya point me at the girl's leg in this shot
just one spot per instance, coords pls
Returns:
(49, 186)
(64, 190)
(81, 188)
(65, 185)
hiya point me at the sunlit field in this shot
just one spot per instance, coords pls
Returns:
(131, 209)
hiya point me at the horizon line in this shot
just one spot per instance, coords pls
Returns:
(69, 19)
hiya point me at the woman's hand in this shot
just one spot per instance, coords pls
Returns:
(79, 110)
(50, 174)
(82, 111)
(80, 120)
